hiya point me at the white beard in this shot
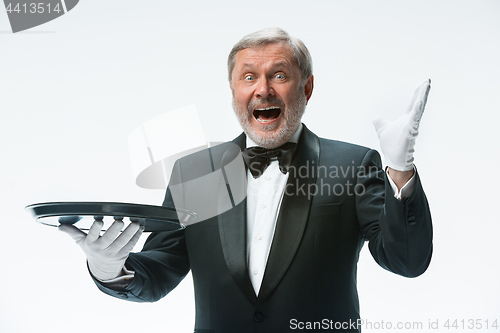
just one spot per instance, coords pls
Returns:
(291, 122)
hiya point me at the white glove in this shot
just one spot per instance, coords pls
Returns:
(397, 138)
(106, 254)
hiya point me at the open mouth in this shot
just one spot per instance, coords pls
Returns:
(267, 114)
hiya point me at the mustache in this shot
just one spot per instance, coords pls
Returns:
(263, 101)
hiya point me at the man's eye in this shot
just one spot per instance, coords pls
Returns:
(280, 76)
(249, 78)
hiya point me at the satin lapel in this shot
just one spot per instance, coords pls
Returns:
(232, 231)
(293, 213)
(241, 141)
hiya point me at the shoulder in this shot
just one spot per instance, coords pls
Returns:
(340, 152)
(221, 151)
(218, 151)
(329, 146)
(342, 146)
(205, 161)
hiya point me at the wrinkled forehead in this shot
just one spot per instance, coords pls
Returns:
(270, 55)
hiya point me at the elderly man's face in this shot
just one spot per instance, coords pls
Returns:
(269, 97)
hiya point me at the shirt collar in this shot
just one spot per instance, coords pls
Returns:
(295, 137)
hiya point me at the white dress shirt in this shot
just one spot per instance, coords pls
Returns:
(264, 196)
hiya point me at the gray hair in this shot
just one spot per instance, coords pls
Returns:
(270, 36)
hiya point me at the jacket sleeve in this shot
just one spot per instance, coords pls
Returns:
(399, 232)
(159, 267)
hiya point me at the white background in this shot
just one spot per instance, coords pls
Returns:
(73, 89)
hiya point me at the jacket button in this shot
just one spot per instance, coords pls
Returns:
(258, 316)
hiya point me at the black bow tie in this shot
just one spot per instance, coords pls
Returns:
(258, 159)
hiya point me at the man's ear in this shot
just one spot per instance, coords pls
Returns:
(309, 86)
(231, 87)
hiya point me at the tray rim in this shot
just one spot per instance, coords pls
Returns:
(42, 210)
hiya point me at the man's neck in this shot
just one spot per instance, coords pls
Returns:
(295, 138)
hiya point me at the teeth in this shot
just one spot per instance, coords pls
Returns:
(265, 120)
(262, 119)
(269, 108)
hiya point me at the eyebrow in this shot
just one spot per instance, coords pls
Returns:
(279, 64)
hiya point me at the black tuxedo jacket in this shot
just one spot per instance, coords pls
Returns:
(310, 275)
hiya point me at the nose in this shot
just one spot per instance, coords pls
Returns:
(264, 89)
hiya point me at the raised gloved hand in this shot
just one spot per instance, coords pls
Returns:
(397, 138)
(106, 254)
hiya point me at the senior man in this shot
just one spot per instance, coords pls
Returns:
(284, 258)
